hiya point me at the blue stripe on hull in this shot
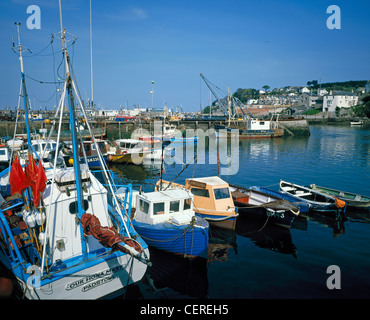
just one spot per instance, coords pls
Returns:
(192, 241)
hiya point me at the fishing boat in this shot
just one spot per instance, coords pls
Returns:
(88, 154)
(318, 201)
(68, 236)
(357, 123)
(4, 157)
(166, 221)
(168, 134)
(127, 151)
(256, 204)
(251, 128)
(212, 199)
(352, 199)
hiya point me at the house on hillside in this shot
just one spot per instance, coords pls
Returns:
(309, 100)
(304, 90)
(367, 87)
(339, 99)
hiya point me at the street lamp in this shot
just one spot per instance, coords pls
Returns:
(152, 92)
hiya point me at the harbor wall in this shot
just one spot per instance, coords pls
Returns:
(116, 130)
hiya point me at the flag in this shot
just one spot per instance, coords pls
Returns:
(40, 184)
(17, 177)
(31, 171)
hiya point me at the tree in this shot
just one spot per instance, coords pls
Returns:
(266, 87)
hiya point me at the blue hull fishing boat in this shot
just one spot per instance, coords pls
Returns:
(166, 221)
(69, 236)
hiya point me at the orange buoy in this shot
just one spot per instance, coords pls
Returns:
(6, 287)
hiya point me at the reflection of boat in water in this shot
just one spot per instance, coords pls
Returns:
(336, 223)
(221, 242)
(188, 278)
(267, 236)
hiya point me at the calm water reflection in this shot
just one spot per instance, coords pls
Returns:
(268, 262)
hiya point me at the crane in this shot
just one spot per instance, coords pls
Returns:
(219, 101)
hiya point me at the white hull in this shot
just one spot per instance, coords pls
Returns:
(104, 280)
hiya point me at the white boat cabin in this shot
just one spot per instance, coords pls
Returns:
(254, 124)
(156, 207)
(4, 153)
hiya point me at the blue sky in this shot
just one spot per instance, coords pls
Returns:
(235, 43)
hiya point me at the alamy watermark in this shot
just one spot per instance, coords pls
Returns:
(34, 20)
(334, 20)
(223, 150)
(334, 280)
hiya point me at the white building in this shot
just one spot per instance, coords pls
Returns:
(304, 90)
(338, 99)
(322, 92)
(367, 87)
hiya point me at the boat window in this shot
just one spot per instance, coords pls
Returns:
(175, 206)
(73, 206)
(222, 193)
(36, 147)
(187, 204)
(158, 208)
(144, 206)
(2, 152)
(200, 192)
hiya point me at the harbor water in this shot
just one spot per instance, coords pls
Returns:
(267, 262)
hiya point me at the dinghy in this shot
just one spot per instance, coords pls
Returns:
(352, 199)
(318, 201)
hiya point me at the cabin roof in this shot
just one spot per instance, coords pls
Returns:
(213, 181)
(167, 195)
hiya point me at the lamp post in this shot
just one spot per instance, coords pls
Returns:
(152, 92)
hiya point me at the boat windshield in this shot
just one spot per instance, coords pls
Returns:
(200, 192)
(158, 208)
(222, 193)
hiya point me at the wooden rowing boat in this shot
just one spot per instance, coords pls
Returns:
(352, 199)
(318, 201)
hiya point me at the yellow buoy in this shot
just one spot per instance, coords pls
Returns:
(47, 121)
(70, 161)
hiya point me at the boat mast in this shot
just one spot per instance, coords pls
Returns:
(25, 96)
(73, 126)
(91, 62)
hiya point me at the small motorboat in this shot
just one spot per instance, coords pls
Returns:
(167, 221)
(257, 204)
(212, 199)
(357, 123)
(318, 201)
(352, 199)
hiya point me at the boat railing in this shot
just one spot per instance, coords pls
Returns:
(11, 250)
